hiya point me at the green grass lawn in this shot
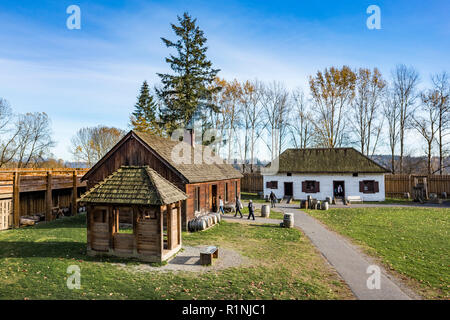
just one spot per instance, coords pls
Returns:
(283, 265)
(414, 242)
(272, 215)
(392, 201)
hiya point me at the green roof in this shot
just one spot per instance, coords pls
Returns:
(327, 160)
(134, 185)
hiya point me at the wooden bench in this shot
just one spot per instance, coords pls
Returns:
(208, 254)
(351, 199)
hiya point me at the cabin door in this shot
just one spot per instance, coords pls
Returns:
(214, 198)
(288, 189)
(339, 189)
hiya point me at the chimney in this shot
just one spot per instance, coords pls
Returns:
(189, 137)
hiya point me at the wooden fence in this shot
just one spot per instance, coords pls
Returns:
(398, 184)
(252, 182)
(37, 191)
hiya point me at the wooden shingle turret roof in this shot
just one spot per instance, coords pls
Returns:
(139, 185)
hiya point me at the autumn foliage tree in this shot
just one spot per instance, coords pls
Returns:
(90, 144)
(332, 91)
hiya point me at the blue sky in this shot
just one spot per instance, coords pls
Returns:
(92, 76)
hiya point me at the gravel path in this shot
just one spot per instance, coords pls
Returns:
(189, 260)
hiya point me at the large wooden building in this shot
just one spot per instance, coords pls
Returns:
(193, 168)
(134, 212)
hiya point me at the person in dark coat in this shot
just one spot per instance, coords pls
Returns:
(251, 210)
(273, 199)
(238, 207)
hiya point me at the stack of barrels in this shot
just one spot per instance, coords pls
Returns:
(204, 222)
(315, 204)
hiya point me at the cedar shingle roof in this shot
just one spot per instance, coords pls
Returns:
(327, 160)
(134, 185)
(193, 172)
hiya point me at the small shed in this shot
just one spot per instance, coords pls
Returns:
(134, 212)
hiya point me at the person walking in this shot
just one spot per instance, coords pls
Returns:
(251, 210)
(221, 205)
(238, 207)
(273, 199)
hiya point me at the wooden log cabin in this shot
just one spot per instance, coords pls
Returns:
(198, 172)
(134, 213)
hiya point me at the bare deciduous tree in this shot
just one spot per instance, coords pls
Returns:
(405, 80)
(26, 138)
(300, 126)
(365, 120)
(391, 113)
(252, 123)
(276, 106)
(441, 84)
(427, 124)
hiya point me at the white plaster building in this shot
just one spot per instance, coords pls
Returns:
(325, 172)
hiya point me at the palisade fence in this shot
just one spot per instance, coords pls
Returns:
(396, 185)
(252, 182)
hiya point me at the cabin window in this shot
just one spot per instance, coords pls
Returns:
(100, 216)
(226, 191)
(272, 184)
(148, 214)
(289, 174)
(125, 217)
(369, 186)
(310, 186)
(197, 199)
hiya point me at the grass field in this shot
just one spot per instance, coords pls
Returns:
(283, 265)
(414, 242)
(272, 215)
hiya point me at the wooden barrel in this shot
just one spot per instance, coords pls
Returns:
(325, 206)
(328, 199)
(288, 220)
(265, 211)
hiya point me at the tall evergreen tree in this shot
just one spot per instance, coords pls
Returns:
(188, 91)
(144, 116)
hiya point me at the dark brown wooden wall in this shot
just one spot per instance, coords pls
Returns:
(205, 195)
(133, 153)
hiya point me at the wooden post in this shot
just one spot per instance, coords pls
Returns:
(74, 193)
(16, 199)
(135, 222)
(169, 226)
(48, 198)
(179, 221)
(161, 229)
